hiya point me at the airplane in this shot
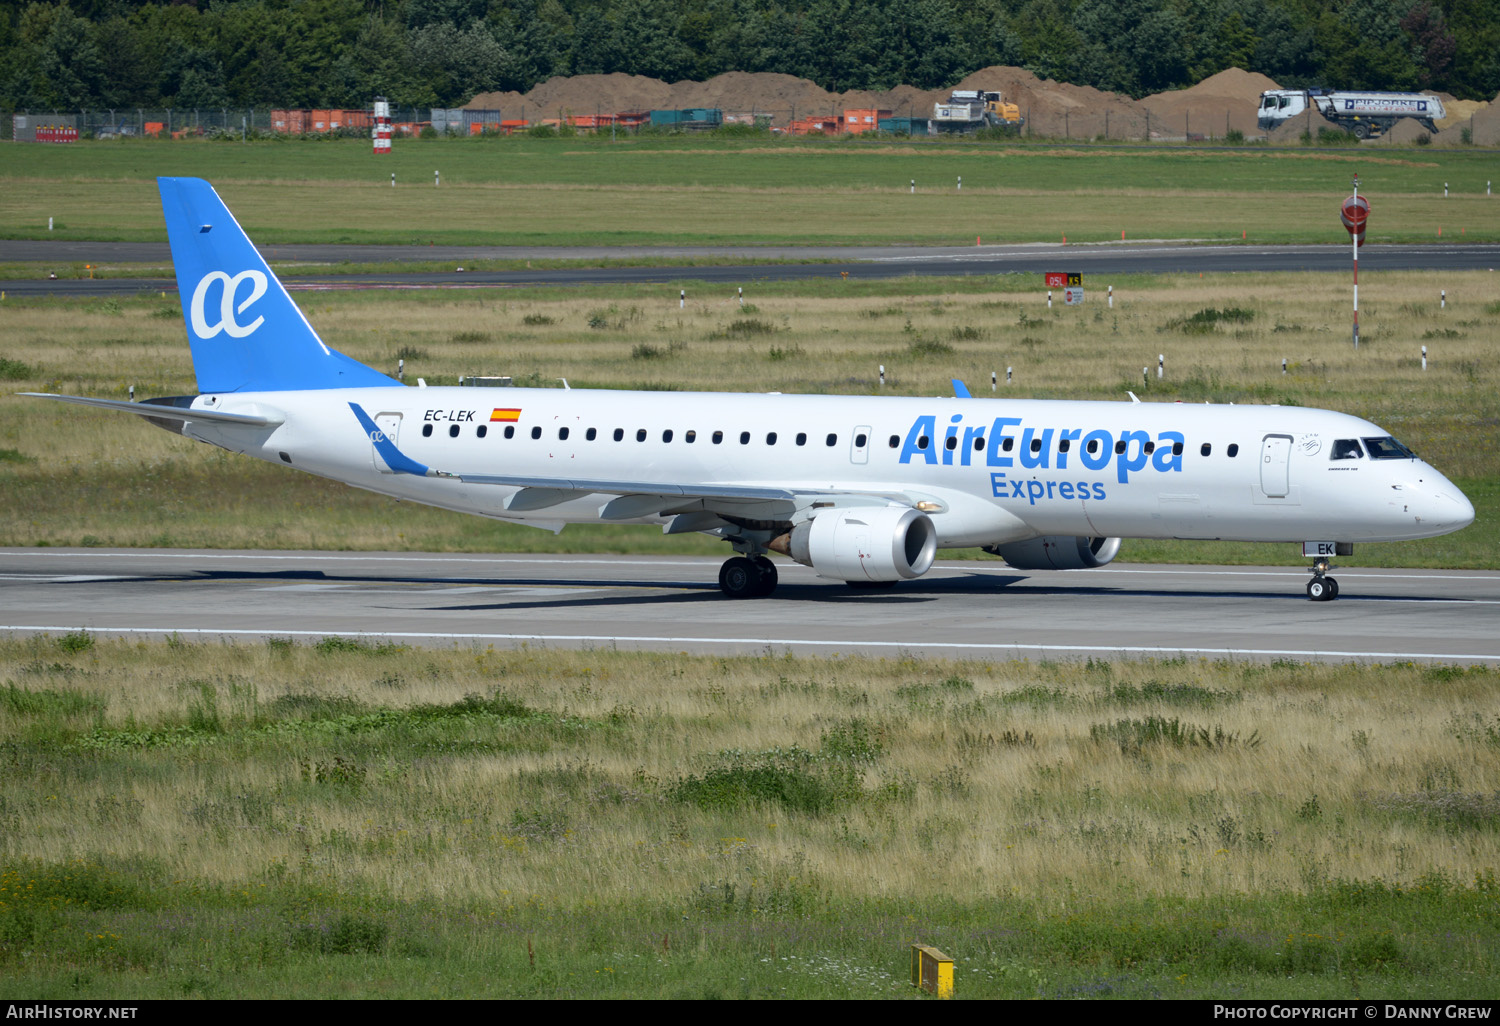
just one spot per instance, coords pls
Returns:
(861, 489)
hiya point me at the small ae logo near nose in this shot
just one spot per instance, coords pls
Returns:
(227, 307)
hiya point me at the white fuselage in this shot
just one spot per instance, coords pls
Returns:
(994, 470)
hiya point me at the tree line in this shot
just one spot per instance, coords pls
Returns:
(93, 54)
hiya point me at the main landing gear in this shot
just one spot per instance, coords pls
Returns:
(747, 577)
(1322, 588)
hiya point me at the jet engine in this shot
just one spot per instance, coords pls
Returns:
(875, 543)
(1053, 552)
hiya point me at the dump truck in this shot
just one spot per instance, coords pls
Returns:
(968, 110)
(1367, 115)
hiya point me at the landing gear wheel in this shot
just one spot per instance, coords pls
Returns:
(740, 578)
(768, 576)
(1322, 589)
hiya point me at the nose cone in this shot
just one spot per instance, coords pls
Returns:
(1449, 509)
(1463, 509)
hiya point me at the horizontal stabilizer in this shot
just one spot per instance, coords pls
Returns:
(161, 412)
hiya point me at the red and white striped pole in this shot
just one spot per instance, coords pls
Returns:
(1355, 212)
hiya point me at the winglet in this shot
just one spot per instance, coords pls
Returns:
(960, 390)
(394, 457)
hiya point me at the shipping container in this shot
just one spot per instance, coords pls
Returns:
(863, 119)
(904, 126)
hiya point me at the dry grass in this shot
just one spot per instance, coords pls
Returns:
(971, 778)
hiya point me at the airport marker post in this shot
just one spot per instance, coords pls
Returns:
(1355, 212)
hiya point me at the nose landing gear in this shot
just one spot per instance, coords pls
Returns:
(1322, 588)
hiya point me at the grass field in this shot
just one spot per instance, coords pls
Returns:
(655, 191)
(342, 819)
(87, 478)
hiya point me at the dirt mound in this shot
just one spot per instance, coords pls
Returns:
(1221, 102)
(1291, 130)
(1406, 130)
(1485, 122)
(580, 94)
(1459, 112)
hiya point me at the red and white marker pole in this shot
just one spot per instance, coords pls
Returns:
(1355, 212)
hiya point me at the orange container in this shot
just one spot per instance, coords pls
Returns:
(154, 128)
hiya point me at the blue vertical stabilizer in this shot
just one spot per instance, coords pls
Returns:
(246, 333)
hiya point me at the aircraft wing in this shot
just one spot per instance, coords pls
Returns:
(161, 411)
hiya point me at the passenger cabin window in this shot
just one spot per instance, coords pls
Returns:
(1093, 446)
(1036, 445)
(895, 441)
(922, 442)
(690, 437)
(1346, 449)
(1148, 448)
(831, 441)
(718, 437)
(744, 438)
(619, 434)
(952, 442)
(1233, 450)
(859, 441)
(770, 438)
(1063, 446)
(801, 437)
(1176, 448)
(453, 431)
(640, 435)
(1207, 448)
(482, 430)
(536, 432)
(591, 434)
(510, 431)
(666, 436)
(562, 433)
(1120, 447)
(979, 444)
(1388, 448)
(426, 430)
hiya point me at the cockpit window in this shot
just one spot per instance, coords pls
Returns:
(1346, 449)
(1388, 449)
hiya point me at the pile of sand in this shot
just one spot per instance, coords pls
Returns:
(1228, 100)
(1290, 132)
(1225, 101)
(1486, 124)
(1404, 131)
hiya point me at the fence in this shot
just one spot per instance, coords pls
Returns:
(830, 119)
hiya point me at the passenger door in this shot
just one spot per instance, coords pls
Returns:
(390, 426)
(1275, 465)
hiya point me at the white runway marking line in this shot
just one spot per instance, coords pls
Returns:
(773, 643)
(501, 558)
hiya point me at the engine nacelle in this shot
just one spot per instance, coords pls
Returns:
(1053, 552)
(874, 543)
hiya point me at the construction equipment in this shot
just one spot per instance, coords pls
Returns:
(968, 110)
(1367, 115)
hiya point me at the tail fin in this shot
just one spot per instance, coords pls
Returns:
(246, 333)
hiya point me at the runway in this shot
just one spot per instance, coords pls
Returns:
(860, 263)
(977, 610)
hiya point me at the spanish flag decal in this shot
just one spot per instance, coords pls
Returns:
(505, 416)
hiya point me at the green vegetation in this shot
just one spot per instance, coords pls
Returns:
(90, 478)
(730, 192)
(424, 52)
(343, 818)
